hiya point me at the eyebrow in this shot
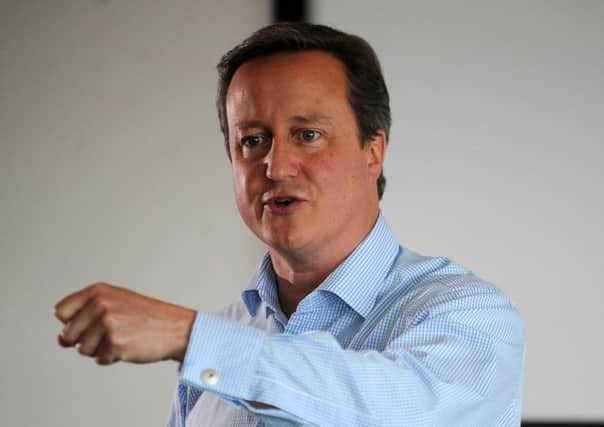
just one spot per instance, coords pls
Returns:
(303, 119)
(256, 124)
(311, 118)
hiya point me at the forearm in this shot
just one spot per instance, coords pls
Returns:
(310, 378)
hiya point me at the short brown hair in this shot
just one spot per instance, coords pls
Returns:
(367, 92)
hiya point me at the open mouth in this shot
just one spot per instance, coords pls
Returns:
(284, 201)
(281, 205)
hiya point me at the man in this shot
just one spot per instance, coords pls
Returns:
(340, 326)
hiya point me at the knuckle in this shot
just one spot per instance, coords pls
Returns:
(93, 286)
(100, 303)
(99, 288)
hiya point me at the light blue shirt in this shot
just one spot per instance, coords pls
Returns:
(390, 338)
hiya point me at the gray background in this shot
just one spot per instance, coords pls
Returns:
(112, 168)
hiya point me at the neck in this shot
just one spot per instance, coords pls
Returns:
(300, 272)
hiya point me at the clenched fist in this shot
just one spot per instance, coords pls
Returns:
(111, 323)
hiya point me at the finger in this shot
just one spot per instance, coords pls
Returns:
(62, 341)
(104, 354)
(90, 339)
(83, 320)
(72, 303)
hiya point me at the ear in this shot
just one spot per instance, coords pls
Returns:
(375, 150)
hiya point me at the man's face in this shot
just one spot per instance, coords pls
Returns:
(303, 183)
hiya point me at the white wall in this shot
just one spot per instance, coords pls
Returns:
(496, 160)
(112, 168)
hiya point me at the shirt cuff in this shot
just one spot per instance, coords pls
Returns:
(222, 357)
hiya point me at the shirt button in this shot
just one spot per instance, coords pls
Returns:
(210, 376)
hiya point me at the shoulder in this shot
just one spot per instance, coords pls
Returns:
(433, 288)
(427, 279)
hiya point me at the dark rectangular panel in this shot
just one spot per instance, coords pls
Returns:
(290, 10)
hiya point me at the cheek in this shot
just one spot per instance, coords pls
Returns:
(247, 186)
(332, 176)
(339, 172)
(239, 182)
(239, 190)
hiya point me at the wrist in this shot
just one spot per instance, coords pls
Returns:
(182, 334)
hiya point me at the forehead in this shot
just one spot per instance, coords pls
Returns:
(290, 78)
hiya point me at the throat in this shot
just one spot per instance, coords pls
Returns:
(301, 272)
(290, 294)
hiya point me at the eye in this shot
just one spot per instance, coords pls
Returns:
(309, 135)
(252, 141)
(254, 145)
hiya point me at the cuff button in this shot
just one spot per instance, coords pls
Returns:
(210, 376)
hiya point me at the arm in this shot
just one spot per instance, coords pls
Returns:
(459, 363)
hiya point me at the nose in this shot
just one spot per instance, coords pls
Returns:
(281, 160)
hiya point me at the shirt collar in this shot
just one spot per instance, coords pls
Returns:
(262, 287)
(357, 281)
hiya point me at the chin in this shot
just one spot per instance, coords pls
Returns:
(284, 240)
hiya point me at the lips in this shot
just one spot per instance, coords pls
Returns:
(280, 203)
(283, 201)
